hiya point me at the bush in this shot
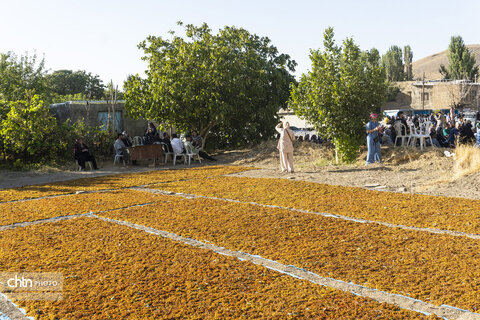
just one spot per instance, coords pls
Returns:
(30, 135)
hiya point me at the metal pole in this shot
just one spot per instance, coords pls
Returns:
(423, 92)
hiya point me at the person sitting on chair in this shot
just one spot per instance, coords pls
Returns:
(196, 140)
(177, 144)
(189, 144)
(83, 154)
(126, 139)
(120, 148)
(166, 140)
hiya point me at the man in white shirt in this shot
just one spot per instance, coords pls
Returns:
(120, 148)
(177, 144)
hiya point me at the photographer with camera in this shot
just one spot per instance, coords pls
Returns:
(373, 139)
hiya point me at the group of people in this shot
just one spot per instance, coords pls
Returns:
(444, 131)
(174, 144)
(193, 142)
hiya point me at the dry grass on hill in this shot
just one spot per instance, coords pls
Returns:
(431, 64)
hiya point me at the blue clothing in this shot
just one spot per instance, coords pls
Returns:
(373, 148)
(477, 143)
(452, 136)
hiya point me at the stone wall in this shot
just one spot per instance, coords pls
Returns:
(435, 95)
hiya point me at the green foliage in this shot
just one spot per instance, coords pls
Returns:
(392, 91)
(230, 84)
(408, 59)
(393, 63)
(30, 135)
(461, 62)
(21, 74)
(340, 91)
(28, 131)
(67, 82)
(99, 141)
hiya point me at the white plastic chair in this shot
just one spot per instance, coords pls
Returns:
(137, 141)
(86, 162)
(399, 128)
(422, 133)
(175, 155)
(166, 152)
(117, 159)
(190, 154)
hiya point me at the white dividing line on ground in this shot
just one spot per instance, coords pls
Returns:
(67, 217)
(10, 311)
(60, 195)
(324, 214)
(47, 220)
(403, 302)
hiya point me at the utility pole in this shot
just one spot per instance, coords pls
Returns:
(423, 91)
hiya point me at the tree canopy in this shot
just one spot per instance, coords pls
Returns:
(461, 62)
(337, 95)
(68, 82)
(393, 64)
(21, 74)
(230, 84)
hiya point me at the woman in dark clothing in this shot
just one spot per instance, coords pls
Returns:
(150, 133)
(83, 154)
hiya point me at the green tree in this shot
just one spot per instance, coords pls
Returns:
(393, 63)
(461, 62)
(67, 82)
(28, 131)
(408, 59)
(19, 74)
(338, 94)
(230, 84)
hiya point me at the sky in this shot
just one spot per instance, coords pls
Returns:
(101, 36)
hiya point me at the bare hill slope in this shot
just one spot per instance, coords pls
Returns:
(431, 64)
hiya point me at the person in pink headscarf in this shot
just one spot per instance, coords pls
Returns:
(373, 139)
(285, 146)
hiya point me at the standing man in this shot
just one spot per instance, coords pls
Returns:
(373, 139)
(285, 146)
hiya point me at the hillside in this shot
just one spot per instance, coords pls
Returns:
(431, 64)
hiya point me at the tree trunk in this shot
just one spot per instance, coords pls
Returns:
(204, 133)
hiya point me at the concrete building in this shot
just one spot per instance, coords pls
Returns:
(95, 113)
(293, 119)
(436, 95)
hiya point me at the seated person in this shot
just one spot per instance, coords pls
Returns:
(83, 154)
(454, 133)
(477, 139)
(441, 138)
(120, 148)
(466, 133)
(149, 137)
(202, 154)
(126, 139)
(196, 140)
(166, 140)
(177, 144)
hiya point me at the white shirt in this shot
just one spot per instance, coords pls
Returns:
(177, 145)
(119, 146)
